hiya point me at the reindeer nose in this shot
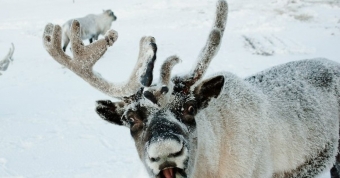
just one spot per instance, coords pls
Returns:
(164, 149)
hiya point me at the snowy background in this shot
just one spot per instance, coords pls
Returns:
(48, 127)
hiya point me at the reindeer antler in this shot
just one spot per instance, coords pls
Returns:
(166, 68)
(157, 94)
(208, 52)
(84, 58)
(4, 63)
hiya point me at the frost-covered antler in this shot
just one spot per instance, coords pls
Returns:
(167, 66)
(208, 52)
(158, 94)
(4, 63)
(84, 58)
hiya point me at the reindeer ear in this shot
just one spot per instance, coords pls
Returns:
(207, 89)
(109, 111)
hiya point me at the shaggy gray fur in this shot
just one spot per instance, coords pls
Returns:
(282, 122)
(91, 25)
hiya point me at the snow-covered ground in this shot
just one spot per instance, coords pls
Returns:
(48, 127)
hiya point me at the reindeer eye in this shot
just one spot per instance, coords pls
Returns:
(191, 110)
(131, 119)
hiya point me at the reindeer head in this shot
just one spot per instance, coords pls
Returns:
(160, 116)
(110, 13)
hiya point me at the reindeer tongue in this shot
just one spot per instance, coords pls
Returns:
(168, 173)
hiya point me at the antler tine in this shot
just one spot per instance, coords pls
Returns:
(52, 43)
(162, 92)
(157, 94)
(211, 47)
(145, 53)
(4, 63)
(86, 56)
(221, 15)
(10, 53)
(93, 52)
(166, 68)
(213, 43)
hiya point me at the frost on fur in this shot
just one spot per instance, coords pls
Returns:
(281, 122)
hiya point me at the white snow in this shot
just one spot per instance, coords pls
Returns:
(48, 126)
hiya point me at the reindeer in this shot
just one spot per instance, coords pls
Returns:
(281, 122)
(92, 26)
(4, 63)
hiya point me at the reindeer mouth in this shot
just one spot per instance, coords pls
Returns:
(170, 172)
